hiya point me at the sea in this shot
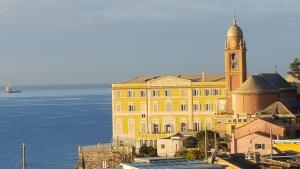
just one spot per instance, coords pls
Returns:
(52, 120)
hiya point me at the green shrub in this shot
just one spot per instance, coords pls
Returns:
(146, 151)
(190, 142)
(193, 155)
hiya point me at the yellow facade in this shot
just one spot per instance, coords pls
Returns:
(288, 146)
(164, 106)
(148, 108)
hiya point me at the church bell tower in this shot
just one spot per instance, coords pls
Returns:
(235, 60)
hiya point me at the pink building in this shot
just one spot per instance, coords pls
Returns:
(254, 137)
(260, 91)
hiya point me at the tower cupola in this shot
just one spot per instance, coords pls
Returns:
(234, 29)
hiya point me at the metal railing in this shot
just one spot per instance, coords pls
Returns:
(97, 147)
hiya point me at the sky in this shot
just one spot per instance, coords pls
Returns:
(111, 41)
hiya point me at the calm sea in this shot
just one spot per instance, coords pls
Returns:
(52, 121)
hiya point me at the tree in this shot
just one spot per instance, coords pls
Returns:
(294, 68)
(190, 142)
(146, 151)
(193, 155)
(200, 136)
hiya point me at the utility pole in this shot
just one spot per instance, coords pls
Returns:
(205, 142)
(23, 157)
(271, 141)
(216, 144)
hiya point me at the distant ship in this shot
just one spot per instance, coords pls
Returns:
(9, 89)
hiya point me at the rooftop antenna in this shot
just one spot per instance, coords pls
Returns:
(234, 18)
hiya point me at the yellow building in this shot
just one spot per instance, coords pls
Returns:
(148, 108)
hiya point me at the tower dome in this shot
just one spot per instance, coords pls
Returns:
(234, 30)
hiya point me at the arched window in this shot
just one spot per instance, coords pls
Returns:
(234, 61)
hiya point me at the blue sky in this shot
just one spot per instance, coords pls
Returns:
(105, 41)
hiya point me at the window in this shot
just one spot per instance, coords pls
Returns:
(146, 142)
(196, 92)
(118, 107)
(287, 121)
(208, 107)
(119, 127)
(182, 92)
(130, 93)
(121, 143)
(216, 92)
(155, 143)
(169, 128)
(232, 128)
(221, 105)
(208, 125)
(143, 93)
(118, 93)
(168, 106)
(183, 107)
(151, 143)
(155, 93)
(259, 146)
(196, 107)
(141, 143)
(197, 126)
(233, 61)
(131, 107)
(155, 128)
(183, 127)
(155, 107)
(167, 93)
(207, 92)
(162, 146)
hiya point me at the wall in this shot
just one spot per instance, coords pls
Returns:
(171, 146)
(247, 144)
(252, 102)
(259, 125)
(144, 107)
(94, 158)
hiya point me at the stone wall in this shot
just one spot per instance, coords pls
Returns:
(102, 158)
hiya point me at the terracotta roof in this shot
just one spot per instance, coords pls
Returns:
(258, 133)
(284, 108)
(193, 78)
(295, 78)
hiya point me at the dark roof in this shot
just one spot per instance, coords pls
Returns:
(193, 78)
(239, 161)
(273, 121)
(265, 82)
(175, 135)
(291, 102)
(255, 83)
(276, 80)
